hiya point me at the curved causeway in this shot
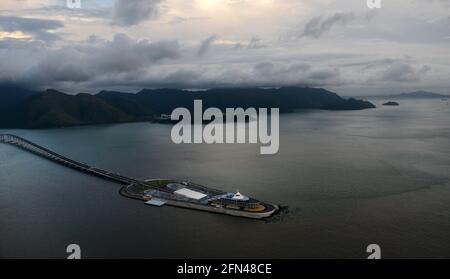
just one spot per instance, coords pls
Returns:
(159, 192)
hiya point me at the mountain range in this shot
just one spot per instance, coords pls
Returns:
(418, 95)
(22, 108)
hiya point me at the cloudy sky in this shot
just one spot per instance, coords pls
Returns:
(132, 44)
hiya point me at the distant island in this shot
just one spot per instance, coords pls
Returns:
(419, 95)
(391, 104)
(22, 108)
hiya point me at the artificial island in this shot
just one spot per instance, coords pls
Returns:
(160, 192)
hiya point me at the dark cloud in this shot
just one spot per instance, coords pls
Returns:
(133, 12)
(299, 73)
(320, 25)
(121, 58)
(183, 76)
(400, 72)
(265, 74)
(124, 54)
(397, 71)
(39, 29)
(269, 69)
(206, 44)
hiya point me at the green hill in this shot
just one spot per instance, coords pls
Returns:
(56, 109)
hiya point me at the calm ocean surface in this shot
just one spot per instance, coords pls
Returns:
(349, 178)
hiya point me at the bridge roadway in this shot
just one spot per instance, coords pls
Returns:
(55, 157)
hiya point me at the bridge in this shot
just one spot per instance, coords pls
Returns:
(57, 158)
(157, 192)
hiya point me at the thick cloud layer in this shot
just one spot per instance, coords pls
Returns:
(121, 58)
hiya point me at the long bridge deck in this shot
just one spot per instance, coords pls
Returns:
(55, 157)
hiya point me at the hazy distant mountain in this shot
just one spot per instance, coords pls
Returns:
(56, 109)
(419, 94)
(11, 95)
